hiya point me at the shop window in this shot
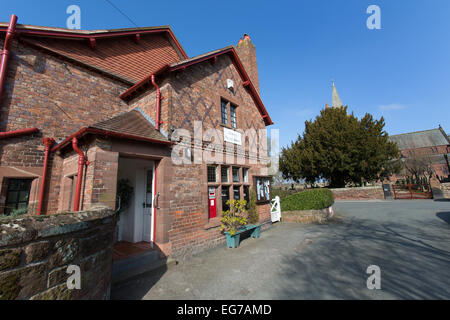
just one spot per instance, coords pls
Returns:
(17, 195)
(246, 191)
(235, 174)
(212, 175)
(236, 193)
(245, 175)
(224, 174)
(225, 198)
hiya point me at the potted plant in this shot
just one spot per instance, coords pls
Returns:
(233, 220)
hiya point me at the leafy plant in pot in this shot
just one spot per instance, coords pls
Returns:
(233, 219)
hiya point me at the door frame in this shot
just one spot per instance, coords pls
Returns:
(152, 208)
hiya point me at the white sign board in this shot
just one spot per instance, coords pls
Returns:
(232, 136)
(275, 209)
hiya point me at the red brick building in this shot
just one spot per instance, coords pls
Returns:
(433, 144)
(108, 105)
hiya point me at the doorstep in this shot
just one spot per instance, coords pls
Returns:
(139, 263)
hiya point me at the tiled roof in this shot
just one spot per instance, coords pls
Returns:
(420, 139)
(130, 123)
(120, 56)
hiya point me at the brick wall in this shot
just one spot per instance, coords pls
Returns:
(53, 95)
(57, 97)
(35, 254)
(183, 224)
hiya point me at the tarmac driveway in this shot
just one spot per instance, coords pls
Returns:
(408, 240)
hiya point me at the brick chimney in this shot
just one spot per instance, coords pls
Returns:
(247, 53)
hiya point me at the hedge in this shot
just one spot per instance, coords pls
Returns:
(315, 199)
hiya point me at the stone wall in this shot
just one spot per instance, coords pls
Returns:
(35, 253)
(364, 193)
(445, 187)
(308, 216)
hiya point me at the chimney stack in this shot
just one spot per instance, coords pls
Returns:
(247, 53)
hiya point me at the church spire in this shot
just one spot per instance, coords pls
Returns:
(336, 100)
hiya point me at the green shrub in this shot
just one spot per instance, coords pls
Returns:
(282, 193)
(234, 218)
(315, 199)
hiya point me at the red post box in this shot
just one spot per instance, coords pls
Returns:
(212, 202)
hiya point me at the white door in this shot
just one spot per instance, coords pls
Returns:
(148, 205)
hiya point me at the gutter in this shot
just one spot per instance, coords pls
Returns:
(113, 134)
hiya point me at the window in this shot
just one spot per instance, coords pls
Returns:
(212, 176)
(17, 195)
(227, 180)
(233, 116)
(247, 195)
(235, 174)
(224, 174)
(225, 198)
(224, 105)
(245, 174)
(237, 193)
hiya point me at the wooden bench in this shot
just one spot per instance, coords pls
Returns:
(233, 242)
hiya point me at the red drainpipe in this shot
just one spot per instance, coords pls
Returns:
(155, 204)
(81, 163)
(5, 53)
(48, 142)
(158, 102)
(6, 45)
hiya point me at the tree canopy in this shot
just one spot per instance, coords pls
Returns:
(340, 148)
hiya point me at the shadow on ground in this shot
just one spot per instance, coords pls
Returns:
(445, 216)
(334, 266)
(140, 272)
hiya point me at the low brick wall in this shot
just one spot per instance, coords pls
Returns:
(307, 216)
(35, 253)
(363, 193)
(445, 188)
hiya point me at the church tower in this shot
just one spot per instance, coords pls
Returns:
(336, 100)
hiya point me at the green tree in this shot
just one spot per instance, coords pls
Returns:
(338, 147)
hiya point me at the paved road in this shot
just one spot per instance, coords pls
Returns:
(408, 240)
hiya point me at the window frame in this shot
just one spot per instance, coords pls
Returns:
(224, 111)
(238, 175)
(215, 173)
(233, 115)
(17, 201)
(228, 187)
(228, 113)
(227, 168)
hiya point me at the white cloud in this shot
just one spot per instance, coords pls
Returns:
(393, 106)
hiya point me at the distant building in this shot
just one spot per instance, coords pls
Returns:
(434, 143)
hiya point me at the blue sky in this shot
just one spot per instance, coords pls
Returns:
(401, 72)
